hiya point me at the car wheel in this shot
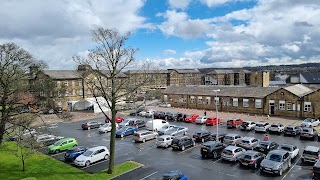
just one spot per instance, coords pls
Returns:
(56, 151)
(280, 172)
(143, 140)
(121, 135)
(203, 155)
(202, 140)
(215, 155)
(87, 163)
(183, 148)
(74, 145)
(106, 156)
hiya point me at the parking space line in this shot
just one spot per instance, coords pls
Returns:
(188, 149)
(217, 160)
(290, 169)
(149, 175)
(94, 164)
(56, 154)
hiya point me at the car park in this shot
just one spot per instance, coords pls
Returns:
(90, 125)
(262, 126)
(23, 134)
(276, 128)
(164, 141)
(249, 143)
(177, 131)
(172, 116)
(118, 120)
(211, 121)
(316, 171)
(292, 149)
(266, 146)
(144, 135)
(201, 135)
(310, 154)
(47, 139)
(107, 128)
(248, 125)
(251, 159)
(291, 130)
(232, 139)
(191, 118)
(74, 152)
(174, 175)
(276, 162)
(309, 122)
(92, 155)
(221, 136)
(234, 122)
(62, 144)
(212, 149)
(182, 142)
(201, 120)
(126, 131)
(308, 133)
(232, 153)
(155, 124)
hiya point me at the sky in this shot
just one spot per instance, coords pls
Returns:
(169, 33)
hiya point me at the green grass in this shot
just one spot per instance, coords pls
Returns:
(40, 166)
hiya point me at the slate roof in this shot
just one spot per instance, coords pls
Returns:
(226, 91)
(310, 77)
(63, 74)
(187, 71)
(299, 90)
(221, 71)
(146, 71)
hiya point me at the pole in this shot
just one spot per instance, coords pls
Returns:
(216, 91)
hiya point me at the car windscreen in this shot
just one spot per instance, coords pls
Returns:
(245, 123)
(160, 139)
(247, 157)
(263, 144)
(245, 141)
(106, 125)
(260, 125)
(229, 137)
(227, 152)
(274, 157)
(307, 120)
(175, 141)
(274, 125)
(87, 153)
(286, 148)
(310, 152)
(290, 128)
(306, 130)
(57, 143)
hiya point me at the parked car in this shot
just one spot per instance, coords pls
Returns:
(276, 128)
(135, 112)
(291, 130)
(171, 116)
(292, 149)
(126, 122)
(191, 118)
(149, 113)
(232, 139)
(201, 120)
(74, 152)
(262, 126)
(165, 128)
(126, 131)
(232, 153)
(251, 159)
(174, 175)
(47, 139)
(91, 125)
(201, 135)
(144, 135)
(166, 105)
(176, 131)
(164, 141)
(211, 121)
(233, 123)
(182, 142)
(249, 143)
(118, 120)
(143, 113)
(221, 136)
(308, 133)
(309, 122)
(316, 171)
(248, 125)
(212, 149)
(28, 133)
(107, 128)
(181, 116)
(266, 146)
(137, 122)
(155, 124)
(92, 155)
(276, 162)
(310, 154)
(62, 144)
(159, 114)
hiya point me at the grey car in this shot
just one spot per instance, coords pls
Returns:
(249, 143)
(177, 131)
(144, 135)
(276, 162)
(232, 153)
(232, 139)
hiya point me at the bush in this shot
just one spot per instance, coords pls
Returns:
(65, 115)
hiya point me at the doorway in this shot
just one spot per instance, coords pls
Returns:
(271, 107)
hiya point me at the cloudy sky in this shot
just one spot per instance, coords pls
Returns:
(171, 33)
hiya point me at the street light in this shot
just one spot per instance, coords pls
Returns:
(215, 100)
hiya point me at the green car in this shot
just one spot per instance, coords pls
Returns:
(63, 144)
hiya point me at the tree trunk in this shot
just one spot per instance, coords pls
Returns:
(112, 138)
(23, 166)
(2, 130)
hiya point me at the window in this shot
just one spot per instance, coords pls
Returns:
(80, 82)
(289, 106)
(80, 92)
(89, 91)
(307, 106)
(58, 84)
(258, 103)
(199, 99)
(73, 92)
(66, 82)
(235, 102)
(216, 100)
(73, 83)
(282, 105)
(59, 94)
(245, 102)
(208, 100)
(191, 99)
(41, 93)
(67, 93)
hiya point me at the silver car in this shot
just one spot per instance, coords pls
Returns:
(201, 120)
(232, 153)
(164, 141)
(107, 128)
(126, 122)
(144, 135)
(249, 142)
(165, 128)
(310, 122)
(177, 131)
(276, 162)
(232, 139)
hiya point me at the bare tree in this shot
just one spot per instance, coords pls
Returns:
(108, 61)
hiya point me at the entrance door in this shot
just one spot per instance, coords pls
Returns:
(271, 107)
(70, 106)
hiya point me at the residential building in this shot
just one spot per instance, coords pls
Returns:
(227, 77)
(260, 78)
(184, 77)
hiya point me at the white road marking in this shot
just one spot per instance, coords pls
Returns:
(149, 175)
(94, 164)
(217, 160)
(227, 174)
(56, 154)
(290, 169)
(187, 149)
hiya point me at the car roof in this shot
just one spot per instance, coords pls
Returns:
(287, 145)
(172, 173)
(180, 137)
(250, 152)
(307, 128)
(231, 147)
(165, 136)
(248, 121)
(201, 131)
(311, 148)
(97, 148)
(261, 122)
(68, 138)
(265, 142)
(210, 143)
(142, 131)
(276, 123)
(248, 138)
(231, 134)
(293, 126)
(278, 151)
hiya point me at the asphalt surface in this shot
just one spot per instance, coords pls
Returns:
(158, 160)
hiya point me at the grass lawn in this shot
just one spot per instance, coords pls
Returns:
(40, 166)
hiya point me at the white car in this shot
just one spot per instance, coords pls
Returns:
(310, 122)
(292, 149)
(92, 155)
(248, 125)
(165, 128)
(149, 113)
(201, 120)
(164, 141)
(262, 126)
(276, 128)
(107, 128)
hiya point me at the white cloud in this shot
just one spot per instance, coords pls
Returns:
(214, 3)
(179, 4)
(169, 52)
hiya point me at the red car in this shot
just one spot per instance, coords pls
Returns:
(212, 121)
(191, 118)
(118, 120)
(232, 123)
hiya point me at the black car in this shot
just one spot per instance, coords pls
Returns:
(137, 122)
(90, 125)
(266, 146)
(171, 116)
(292, 130)
(251, 159)
(181, 117)
(201, 135)
(181, 143)
(158, 114)
(308, 133)
(212, 149)
(316, 170)
(221, 136)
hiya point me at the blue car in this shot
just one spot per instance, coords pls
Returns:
(74, 152)
(125, 131)
(174, 175)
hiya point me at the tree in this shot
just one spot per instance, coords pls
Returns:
(106, 79)
(14, 86)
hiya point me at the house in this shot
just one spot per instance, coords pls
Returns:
(227, 77)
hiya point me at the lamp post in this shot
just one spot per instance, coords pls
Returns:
(215, 100)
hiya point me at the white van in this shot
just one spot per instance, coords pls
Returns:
(156, 124)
